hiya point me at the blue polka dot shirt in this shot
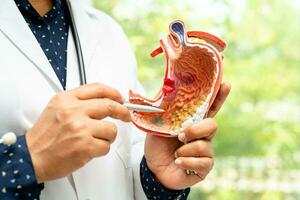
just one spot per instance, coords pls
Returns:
(155, 190)
(17, 177)
(51, 32)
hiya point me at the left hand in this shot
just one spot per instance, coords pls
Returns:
(169, 158)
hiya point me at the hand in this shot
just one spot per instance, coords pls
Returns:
(169, 158)
(70, 131)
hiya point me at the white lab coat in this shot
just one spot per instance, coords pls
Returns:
(27, 83)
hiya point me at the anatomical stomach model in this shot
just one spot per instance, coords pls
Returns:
(193, 75)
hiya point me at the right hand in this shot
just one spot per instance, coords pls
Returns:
(70, 131)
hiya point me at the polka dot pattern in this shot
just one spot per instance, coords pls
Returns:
(154, 190)
(51, 32)
(16, 173)
(17, 176)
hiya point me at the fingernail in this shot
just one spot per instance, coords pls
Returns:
(178, 161)
(228, 84)
(176, 155)
(181, 137)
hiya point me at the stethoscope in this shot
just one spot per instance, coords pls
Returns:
(81, 67)
(10, 137)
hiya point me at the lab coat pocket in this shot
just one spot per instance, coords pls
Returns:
(123, 153)
(122, 143)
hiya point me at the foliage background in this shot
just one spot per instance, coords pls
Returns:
(258, 145)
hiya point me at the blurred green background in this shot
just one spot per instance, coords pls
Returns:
(257, 146)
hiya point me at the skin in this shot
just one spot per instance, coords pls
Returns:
(74, 119)
(41, 6)
(192, 150)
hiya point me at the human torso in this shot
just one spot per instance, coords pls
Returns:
(28, 82)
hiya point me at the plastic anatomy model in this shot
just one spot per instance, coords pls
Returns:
(193, 75)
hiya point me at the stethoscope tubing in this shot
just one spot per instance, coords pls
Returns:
(81, 66)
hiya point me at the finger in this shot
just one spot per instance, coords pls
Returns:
(199, 148)
(103, 130)
(205, 129)
(201, 165)
(99, 148)
(220, 99)
(97, 90)
(101, 108)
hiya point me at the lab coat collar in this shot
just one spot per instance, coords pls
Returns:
(15, 28)
(88, 31)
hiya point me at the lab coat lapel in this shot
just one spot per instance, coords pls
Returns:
(86, 30)
(15, 28)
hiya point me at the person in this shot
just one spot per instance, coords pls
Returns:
(75, 142)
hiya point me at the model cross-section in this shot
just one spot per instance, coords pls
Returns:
(193, 74)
